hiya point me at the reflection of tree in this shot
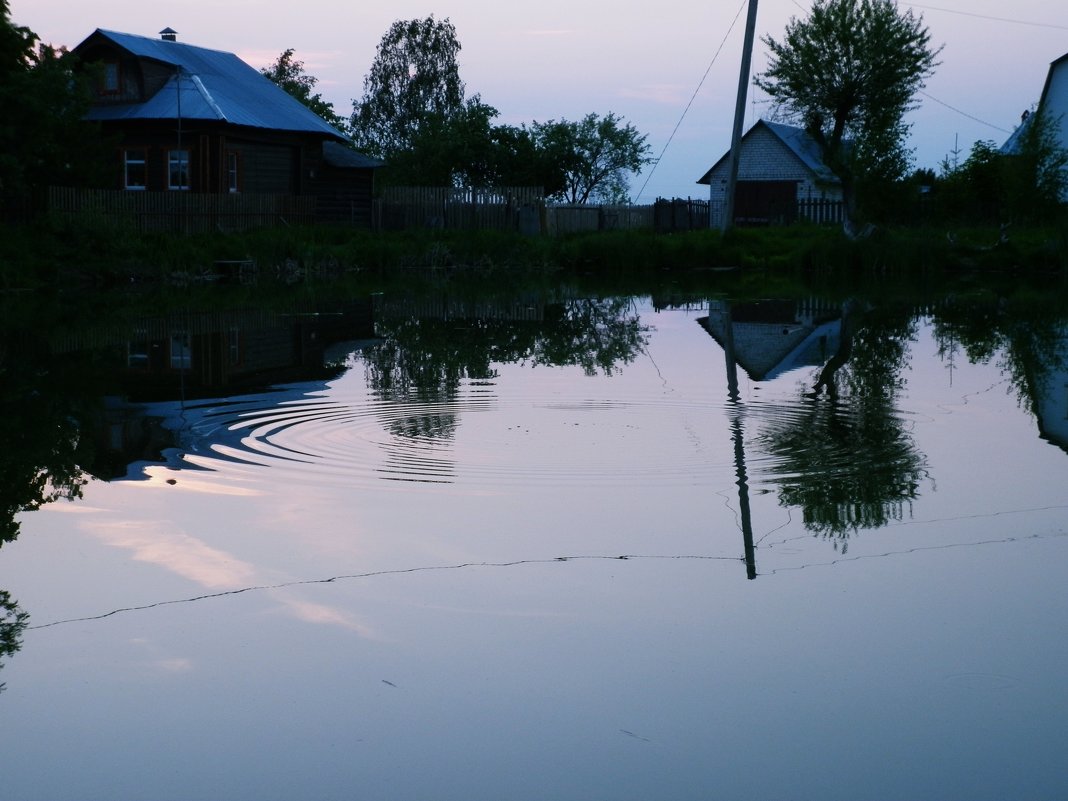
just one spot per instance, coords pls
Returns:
(592, 334)
(41, 404)
(12, 623)
(1024, 338)
(424, 360)
(847, 459)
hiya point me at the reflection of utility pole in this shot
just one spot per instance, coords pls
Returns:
(179, 154)
(738, 437)
(739, 117)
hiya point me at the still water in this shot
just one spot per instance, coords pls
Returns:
(559, 547)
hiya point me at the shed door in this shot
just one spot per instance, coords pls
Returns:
(765, 202)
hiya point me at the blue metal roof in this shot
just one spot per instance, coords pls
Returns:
(804, 147)
(210, 85)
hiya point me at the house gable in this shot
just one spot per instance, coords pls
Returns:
(1054, 103)
(771, 151)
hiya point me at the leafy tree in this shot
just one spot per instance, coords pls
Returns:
(975, 188)
(289, 74)
(44, 139)
(457, 149)
(594, 156)
(414, 79)
(466, 148)
(1023, 181)
(848, 74)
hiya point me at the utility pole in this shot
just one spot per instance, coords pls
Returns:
(739, 118)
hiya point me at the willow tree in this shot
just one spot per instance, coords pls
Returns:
(414, 79)
(848, 74)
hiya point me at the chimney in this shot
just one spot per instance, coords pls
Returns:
(169, 35)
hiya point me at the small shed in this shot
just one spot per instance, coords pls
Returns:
(345, 186)
(781, 175)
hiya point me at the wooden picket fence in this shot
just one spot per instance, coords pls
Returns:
(678, 214)
(562, 220)
(818, 211)
(821, 211)
(182, 212)
(499, 208)
(507, 208)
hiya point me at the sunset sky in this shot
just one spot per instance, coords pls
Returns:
(644, 61)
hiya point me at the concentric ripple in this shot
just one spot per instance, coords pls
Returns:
(476, 437)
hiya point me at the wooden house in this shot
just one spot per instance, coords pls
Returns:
(781, 175)
(196, 120)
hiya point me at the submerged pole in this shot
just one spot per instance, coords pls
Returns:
(739, 116)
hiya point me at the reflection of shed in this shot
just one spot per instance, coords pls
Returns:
(772, 337)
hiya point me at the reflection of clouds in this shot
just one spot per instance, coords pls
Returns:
(154, 661)
(178, 552)
(195, 560)
(324, 615)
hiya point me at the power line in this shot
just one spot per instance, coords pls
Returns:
(964, 113)
(692, 98)
(985, 16)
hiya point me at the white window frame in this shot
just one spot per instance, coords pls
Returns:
(177, 164)
(129, 160)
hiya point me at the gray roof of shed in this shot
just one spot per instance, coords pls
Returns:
(209, 85)
(338, 155)
(798, 141)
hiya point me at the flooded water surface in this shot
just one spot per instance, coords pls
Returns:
(542, 548)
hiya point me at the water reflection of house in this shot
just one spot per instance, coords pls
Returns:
(1050, 391)
(772, 337)
(205, 354)
(209, 352)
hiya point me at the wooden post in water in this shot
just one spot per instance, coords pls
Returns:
(739, 116)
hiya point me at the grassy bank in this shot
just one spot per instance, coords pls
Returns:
(43, 256)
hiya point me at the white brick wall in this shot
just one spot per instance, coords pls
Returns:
(765, 158)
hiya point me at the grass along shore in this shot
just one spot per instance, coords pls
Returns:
(43, 256)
